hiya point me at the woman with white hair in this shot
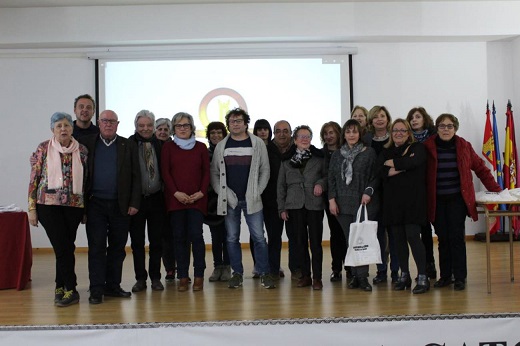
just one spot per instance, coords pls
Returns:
(56, 200)
(163, 129)
(185, 171)
(163, 132)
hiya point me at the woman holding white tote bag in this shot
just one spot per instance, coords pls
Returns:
(352, 181)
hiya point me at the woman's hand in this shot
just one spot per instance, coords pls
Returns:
(333, 207)
(182, 197)
(365, 199)
(33, 217)
(318, 190)
(392, 171)
(195, 197)
(132, 211)
(284, 215)
(389, 163)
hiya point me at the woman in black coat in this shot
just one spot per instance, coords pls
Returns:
(403, 178)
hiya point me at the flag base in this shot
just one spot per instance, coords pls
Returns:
(499, 236)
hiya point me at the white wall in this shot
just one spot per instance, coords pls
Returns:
(447, 67)
(31, 91)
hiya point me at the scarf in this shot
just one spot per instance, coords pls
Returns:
(148, 155)
(445, 144)
(300, 157)
(421, 135)
(185, 144)
(349, 154)
(54, 165)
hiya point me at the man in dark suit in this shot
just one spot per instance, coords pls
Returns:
(113, 195)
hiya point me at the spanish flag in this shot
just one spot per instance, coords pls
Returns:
(511, 161)
(488, 150)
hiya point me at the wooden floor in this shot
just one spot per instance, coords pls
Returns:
(34, 306)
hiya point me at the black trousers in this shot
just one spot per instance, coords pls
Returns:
(409, 234)
(152, 213)
(106, 225)
(308, 226)
(219, 245)
(427, 240)
(61, 225)
(338, 244)
(450, 217)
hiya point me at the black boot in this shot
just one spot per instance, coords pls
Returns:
(404, 282)
(431, 272)
(380, 278)
(364, 285)
(423, 285)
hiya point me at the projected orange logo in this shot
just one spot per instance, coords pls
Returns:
(216, 104)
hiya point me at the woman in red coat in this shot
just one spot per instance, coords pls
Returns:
(185, 172)
(451, 196)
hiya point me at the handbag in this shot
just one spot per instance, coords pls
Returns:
(363, 246)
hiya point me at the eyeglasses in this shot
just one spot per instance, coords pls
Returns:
(305, 137)
(182, 126)
(402, 131)
(446, 126)
(236, 121)
(215, 132)
(109, 121)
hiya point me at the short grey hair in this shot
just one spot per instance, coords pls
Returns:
(177, 117)
(163, 121)
(58, 116)
(144, 114)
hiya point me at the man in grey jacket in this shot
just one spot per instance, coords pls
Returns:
(239, 174)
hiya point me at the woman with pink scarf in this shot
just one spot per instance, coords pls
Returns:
(56, 200)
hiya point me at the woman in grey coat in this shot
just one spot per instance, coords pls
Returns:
(301, 182)
(352, 181)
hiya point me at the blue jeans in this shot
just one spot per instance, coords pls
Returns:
(255, 222)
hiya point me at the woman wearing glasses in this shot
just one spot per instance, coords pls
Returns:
(451, 196)
(185, 171)
(301, 182)
(404, 201)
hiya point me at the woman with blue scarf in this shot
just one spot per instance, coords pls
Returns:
(185, 170)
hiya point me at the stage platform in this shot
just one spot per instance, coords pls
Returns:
(254, 315)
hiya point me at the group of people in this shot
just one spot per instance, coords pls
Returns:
(410, 173)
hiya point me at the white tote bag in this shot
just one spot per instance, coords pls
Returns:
(363, 246)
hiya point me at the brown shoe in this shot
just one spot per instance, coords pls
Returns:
(317, 284)
(198, 284)
(183, 285)
(305, 281)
